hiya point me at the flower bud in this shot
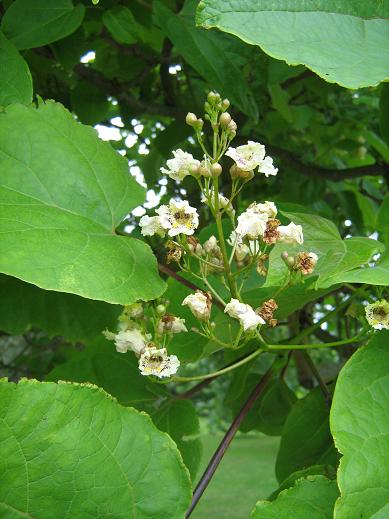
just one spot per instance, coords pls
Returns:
(216, 170)
(232, 126)
(225, 120)
(204, 172)
(191, 119)
(225, 104)
(199, 124)
(213, 98)
(161, 309)
(235, 172)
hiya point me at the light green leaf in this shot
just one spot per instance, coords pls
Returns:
(121, 23)
(337, 39)
(360, 426)
(376, 275)
(62, 194)
(359, 251)
(70, 316)
(39, 22)
(310, 498)
(336, 256)
(306, 438)
(119, 375)
(69, 450)
(324, 470)
(215, 56)
(15, 77)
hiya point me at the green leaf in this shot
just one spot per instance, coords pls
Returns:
(119, 375)
(69, 450)
(359, 251)
(323, 470)
(36, 23)
(360, 426)
(306, 438)
(270, 411)
(384, 112)
(70, 316)
(89, 103)
(310, 498)
(337, 39)
(15, 77)
(63, 192)
(336, 256)
(121, 23)
(376, 275)
(214, 56)
(179, 419)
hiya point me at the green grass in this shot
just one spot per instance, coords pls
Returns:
(245, 475)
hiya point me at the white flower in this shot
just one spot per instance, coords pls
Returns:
(267, 167)
(181, 166)
(247, 157)
(172, 324)
(199, 304)
(377, 314)
(291, 233)
(127, 340)
(251, 156)
(178, 218)
(268, 209)
(151, 225)
(157, 362)
(251, 225)
(246, 315)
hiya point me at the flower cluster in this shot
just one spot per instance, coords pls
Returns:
(218, 265)
(140, 333)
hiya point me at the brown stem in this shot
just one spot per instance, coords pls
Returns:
(169, 272)
(315, 372)
(228, 437)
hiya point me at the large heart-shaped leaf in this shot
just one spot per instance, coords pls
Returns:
(119, 375)
(35, 23)
(62, 194)
(336, 39)
(69, 450)
(15, 77)
(310, 498)
(360, 426)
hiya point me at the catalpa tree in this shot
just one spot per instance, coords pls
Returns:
(194, 222)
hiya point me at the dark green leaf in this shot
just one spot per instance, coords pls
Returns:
(89, 103)
(39, 22)
(121, 23)
(15, 77)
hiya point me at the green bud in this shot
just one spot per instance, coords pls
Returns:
(225, 120)
(161, 310)
(225, 104)
(204, 172)
(211, 97)
(235, 172)
(191, 119)
(199, 124)
(216, 170)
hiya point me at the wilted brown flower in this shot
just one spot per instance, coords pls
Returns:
(271, 234)
(305, 262)
(261, 268)
(174, 252)
(266, 311)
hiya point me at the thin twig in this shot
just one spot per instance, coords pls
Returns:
(224, 444)
(315, 372)
(169, 272)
